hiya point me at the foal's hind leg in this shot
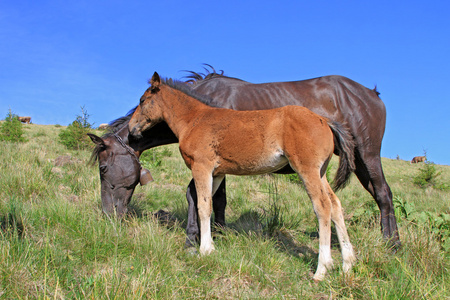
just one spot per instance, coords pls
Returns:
(348, 256)
(322, 207)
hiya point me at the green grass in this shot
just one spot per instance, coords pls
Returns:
(56, 244)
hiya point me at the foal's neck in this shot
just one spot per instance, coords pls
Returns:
(180, 110)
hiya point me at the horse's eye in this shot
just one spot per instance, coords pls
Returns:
(103, 169)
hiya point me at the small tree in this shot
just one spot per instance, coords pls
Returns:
(11, 129)
(75, 135)
(427, 175)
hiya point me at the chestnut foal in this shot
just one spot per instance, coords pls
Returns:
(216, 141)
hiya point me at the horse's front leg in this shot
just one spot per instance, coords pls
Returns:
(192, 228)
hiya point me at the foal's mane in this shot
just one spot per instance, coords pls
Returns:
(188, 90)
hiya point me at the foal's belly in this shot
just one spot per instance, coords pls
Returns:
(251, 164)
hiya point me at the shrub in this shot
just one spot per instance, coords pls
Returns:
(11, 129)
(427, 175)
(439, 223)
(75, 135)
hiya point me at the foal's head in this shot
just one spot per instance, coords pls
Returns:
(148, 113)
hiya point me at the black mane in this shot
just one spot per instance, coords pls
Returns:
(118, 123)
(114, 126)
(196, 77)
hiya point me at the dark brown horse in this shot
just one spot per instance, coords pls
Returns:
(217, 141)
(119, 166)
(335, 97)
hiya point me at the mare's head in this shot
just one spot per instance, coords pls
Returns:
(148, 113)
(120, 171)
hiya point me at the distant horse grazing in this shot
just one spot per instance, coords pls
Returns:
(418, 159)
(26, 120)
(216, 141)
(103, 126)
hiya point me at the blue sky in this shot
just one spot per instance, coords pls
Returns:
(56, 56)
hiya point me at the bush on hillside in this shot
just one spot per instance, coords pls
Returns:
(75, 136)
(11, 129)
(427, 175)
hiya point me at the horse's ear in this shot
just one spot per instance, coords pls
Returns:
(97, 140)
(155, 81)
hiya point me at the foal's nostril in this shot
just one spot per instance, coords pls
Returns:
(135, 133)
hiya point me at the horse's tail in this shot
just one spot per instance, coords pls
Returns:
(344, 146)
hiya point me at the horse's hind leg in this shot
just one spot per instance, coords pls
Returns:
(348, 256)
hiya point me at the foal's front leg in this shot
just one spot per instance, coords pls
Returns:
(205, 188)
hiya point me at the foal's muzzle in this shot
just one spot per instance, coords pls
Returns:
(136, 133)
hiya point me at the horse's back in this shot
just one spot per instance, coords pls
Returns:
(335, 97)
(327, 96)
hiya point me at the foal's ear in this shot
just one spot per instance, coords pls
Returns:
(155, 81)
(97, 140)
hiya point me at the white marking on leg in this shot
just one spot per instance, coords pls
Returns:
(325, 262)
(348, 255)
(203, 183)
(206, 242)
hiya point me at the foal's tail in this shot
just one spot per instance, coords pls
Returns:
(344, 146)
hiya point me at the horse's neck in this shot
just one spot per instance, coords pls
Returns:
(181, 110)
(137, 145)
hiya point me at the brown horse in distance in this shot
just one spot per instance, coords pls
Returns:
(26, 120)
(217, 141)
(418, 159)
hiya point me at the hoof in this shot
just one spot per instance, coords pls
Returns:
(192, 251)
(206, 250)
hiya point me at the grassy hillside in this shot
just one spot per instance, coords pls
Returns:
(56, 244)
